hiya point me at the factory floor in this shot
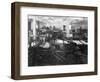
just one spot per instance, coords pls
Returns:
(58, 55)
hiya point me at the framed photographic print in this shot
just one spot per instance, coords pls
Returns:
(51, 40)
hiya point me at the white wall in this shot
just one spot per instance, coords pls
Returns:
(5, 42)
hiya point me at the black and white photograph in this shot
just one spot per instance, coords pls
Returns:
(53, 40)
(57, 40)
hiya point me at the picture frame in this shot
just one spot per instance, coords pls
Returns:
(64, 25)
